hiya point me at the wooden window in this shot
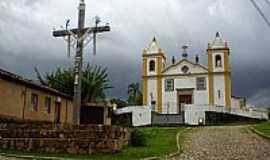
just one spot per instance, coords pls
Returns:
(48, 102)
(169, 85)
(34, 102)
(218, 61)
(152, 66)
(201, 83)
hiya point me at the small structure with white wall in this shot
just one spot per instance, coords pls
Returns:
(141, 115)
(196, 115)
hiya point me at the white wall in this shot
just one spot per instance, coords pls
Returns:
(169, 101)
(141, 115)
(235, 103)
(219, 85)
(170, 98)
(152, 85)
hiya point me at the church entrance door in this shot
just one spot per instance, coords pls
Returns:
(184, 99)
(185, 96)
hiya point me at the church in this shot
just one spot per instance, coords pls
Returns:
(169, 84)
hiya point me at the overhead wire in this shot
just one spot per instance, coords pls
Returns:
(260, 12)
(268, 2)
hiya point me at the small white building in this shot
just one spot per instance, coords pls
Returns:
(168, 86)
(140, 115)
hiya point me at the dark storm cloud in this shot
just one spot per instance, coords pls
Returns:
(26, 41)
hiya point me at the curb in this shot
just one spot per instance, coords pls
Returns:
(259, 132)
(29, 157)
(178, 152)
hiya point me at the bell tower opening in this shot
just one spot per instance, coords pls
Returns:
(218, 61)
(152, 66)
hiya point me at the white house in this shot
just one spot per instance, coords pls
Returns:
(168, 86)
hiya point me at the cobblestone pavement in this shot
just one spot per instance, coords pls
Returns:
(224, 143)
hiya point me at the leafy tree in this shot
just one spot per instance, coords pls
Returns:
(94, 82)
(134, 94)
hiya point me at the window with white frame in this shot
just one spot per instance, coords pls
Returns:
(169, 85)
(201, 83)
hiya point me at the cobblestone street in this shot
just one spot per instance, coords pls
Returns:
(225, 143)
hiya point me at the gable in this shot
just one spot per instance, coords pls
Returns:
(185, 67)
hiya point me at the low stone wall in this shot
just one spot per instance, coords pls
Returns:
(50, 138)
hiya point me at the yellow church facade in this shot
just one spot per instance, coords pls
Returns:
(168, 86)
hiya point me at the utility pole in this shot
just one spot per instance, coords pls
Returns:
(79, 38)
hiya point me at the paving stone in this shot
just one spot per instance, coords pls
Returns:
(224, 143)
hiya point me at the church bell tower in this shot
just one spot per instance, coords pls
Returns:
(219, 74)
(153, 64)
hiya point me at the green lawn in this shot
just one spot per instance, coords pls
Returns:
(160, 141)
(263, 127)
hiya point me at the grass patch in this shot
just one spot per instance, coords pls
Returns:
(159, 141)
(263, 127)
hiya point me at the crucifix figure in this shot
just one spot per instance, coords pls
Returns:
(78, 38)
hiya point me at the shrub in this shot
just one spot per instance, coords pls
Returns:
(138, 138)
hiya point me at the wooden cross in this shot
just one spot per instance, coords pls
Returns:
(80, 34)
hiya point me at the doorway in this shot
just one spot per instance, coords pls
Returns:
(184, 96)
(57, 112)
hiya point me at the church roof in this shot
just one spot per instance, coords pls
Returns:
(218, 42)
(153, 47)
(182, 61)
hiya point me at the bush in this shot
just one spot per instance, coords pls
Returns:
(138, 138)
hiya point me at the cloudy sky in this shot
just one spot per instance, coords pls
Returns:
(26, 37)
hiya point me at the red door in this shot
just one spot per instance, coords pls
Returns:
(184, 99)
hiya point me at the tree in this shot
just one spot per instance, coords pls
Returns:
(94, 82)
(134, 94)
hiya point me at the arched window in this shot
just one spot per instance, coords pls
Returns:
(152, 65)
(218, 61)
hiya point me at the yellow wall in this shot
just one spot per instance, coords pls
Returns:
(16, 102)
(11, 99)
(227, 77)
(145, 86)
(210, 78)
(159, 84)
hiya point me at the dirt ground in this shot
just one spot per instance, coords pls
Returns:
(224, 143)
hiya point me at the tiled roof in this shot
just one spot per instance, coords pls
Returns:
(18, 79)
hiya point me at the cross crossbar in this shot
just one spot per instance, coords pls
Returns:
(63, 33)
